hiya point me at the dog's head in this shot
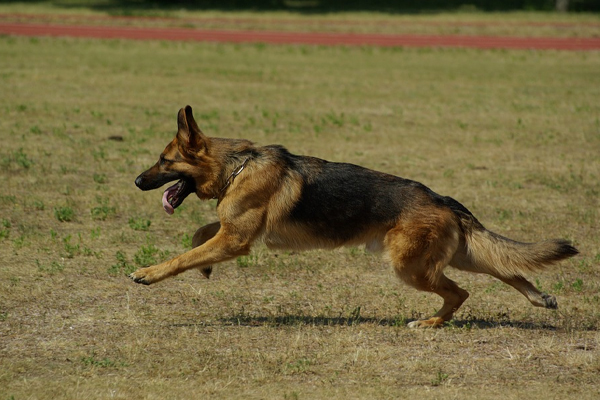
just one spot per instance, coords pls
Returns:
(186, 159)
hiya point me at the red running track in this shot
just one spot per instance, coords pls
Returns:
(311, 38)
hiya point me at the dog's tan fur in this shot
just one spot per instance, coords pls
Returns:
(267, 194)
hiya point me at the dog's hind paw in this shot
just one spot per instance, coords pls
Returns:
(433, 322)
(549, 301)
(414, 324)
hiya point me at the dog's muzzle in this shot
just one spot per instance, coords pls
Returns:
(138, 181)
(149, 180)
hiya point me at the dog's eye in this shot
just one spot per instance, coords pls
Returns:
(164, 161)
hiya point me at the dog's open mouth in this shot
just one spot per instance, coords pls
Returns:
(174, 195)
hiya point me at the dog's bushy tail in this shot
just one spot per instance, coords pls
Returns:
(497, 255)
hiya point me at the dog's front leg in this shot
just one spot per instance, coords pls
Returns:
(221, 247)
(202, 236)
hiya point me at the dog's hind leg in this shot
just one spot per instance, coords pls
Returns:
(419, 253)
(527, 289)
(203, 235)
(453, 295)
(464, 262)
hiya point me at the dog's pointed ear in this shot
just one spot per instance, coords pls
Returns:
(188, 131)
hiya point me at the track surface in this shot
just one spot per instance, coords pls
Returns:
(311, 38)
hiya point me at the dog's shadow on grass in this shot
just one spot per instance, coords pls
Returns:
(307, 320)
(491, 324)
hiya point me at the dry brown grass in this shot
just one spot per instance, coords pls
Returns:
(513, 135)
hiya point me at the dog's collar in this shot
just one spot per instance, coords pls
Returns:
(231, 178)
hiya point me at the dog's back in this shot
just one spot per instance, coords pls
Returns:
(341, 204)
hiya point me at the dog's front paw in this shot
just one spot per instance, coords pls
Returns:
(143, 276)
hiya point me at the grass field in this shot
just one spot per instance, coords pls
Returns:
(515, 136)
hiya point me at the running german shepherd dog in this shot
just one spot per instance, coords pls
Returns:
(299, 202)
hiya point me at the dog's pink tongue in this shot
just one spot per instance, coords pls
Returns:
(166, 205)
